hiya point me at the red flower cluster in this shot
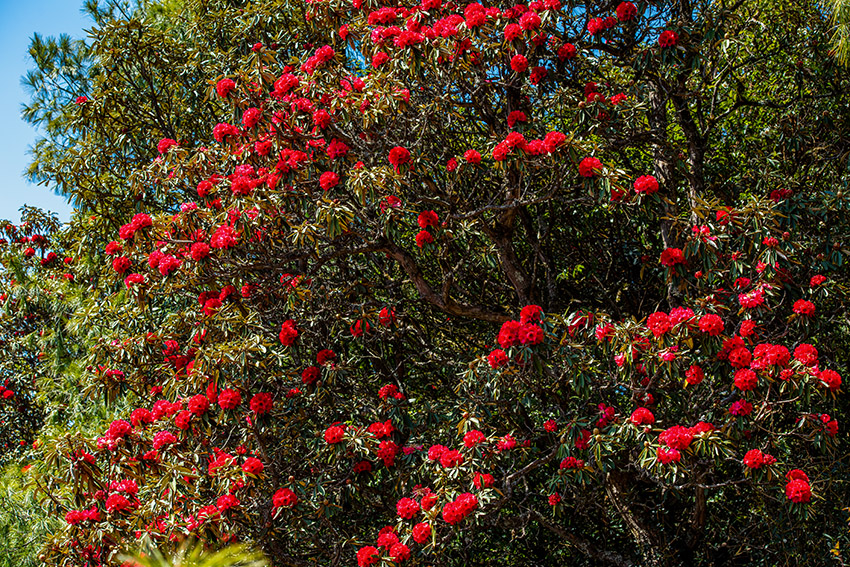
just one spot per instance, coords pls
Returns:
(455, 511)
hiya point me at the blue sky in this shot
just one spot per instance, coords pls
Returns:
(19, 19)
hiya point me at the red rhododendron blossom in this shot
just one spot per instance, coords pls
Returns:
(379, 59)
(455, 511)
(399, 156)
(199, 404)
(589, 167)
(509, 334)
(817, 280)
(798, 490)
(668, 38)
(224, 237)
(519, 63)
(451, 458)
(482, 480)
(262, 403)
(806, 354)
(741, 408)
(755, 459)
(163, 438)
(284, 498)
(666, 456)
(399, 553)
(421, 532)
(473, 438)
(334, 434)
(746, 379)
(226, 502)
(804, 308)
(251, 117)
(252, 465)
(740, 357)
(626, 11)
(571, 463)
(424, 237)
(427, 218)
(711, 324)
(165, 144)
(199, 251)
(646, 184)
(325, 356)
(497, 358)
(229, 399)
(516, 116)
(531, 314)
(224, 87)
(471, 156)
(223, 131)
(831, 379)
(506, 443)
(367, 556)
(670, 257)
(121, 264)
(694, 375)
(567, 51)
(529, 21)
(117, 503)
(328, 180)
(407, 508)
(288, 333)
(642, 416)
(658, 323)
(387, 451)
(531, 334)
(676, 437)
(119, 429)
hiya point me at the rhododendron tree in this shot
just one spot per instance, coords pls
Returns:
(423, 282)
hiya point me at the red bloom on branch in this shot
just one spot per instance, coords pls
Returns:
(589, 167)
(284, 498)
(626, 11)
(427, 218)
(288, 333)
(642, 416)
(367, 556)
(746, 380)
(831, 379)
(804, 308)
(670, 257)
(252, 465)
(424, 237)
(334, 434)
(262, 403)
(421, 532)
(646, 184)
(165, 144)
(668, 38)
(199, 404)
(658, 323)
(519, 63)
(224, 87)
(229, 399)
(328, 180)
(694, 375)
(399, 156)
(497, 358)
(567, 51)
(407, 508)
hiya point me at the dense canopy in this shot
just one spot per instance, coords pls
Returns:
(373, 283)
